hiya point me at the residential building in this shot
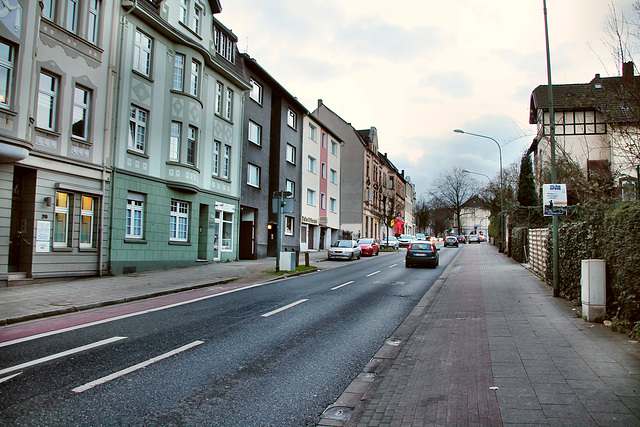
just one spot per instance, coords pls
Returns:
(320, 220)
(596, 126)
(409, 205)
(177, 145)
(359, 201)
(474, 217)
(55, 105)
(394, 196)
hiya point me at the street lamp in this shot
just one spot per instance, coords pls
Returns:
(500, 249)
(476, 173)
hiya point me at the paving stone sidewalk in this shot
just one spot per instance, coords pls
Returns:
(489, 345)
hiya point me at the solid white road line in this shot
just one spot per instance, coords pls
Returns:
(344, 284)
(286, 307)
(118, 374)
(59, 355)
(124, 316)
(371, 274)
(9, 377)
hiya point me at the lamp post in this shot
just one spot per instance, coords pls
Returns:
(500, 248)
(476, 173)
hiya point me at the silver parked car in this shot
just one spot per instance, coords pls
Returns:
(344, 249)
(392, 242)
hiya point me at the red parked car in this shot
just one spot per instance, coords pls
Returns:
(369, 247)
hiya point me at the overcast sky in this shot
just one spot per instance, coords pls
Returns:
(417, 69)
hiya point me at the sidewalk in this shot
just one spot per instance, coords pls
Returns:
(489, 345)
(28, 302)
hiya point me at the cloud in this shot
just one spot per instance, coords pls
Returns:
(456, 84)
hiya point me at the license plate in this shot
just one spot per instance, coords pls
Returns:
(421, 254)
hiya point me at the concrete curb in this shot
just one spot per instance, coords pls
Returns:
(348, 408)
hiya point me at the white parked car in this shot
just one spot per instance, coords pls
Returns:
(405, 240)
(391, 243)
(345, 249)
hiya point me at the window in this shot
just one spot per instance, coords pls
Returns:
(313, 132)
(216, 158)
(183, 16)
(47, 102)
(253, 175)
(192, 145)
(93, 20)
(228, 106)
(142, 54)
(333, 205)
(178, 72)
(255, 133)
(81, 105)
(324, 170)
(179, 221)
(6, 73)
(86, 222)
(334, 148)
(48, 8)
(195, 78)
(219, 89)
(256, 92)
(333, 176)
(324, 140)
(289, 223)
(291, 154)
(137, 129)
(292, 119)
(291, 187)
(62, 220)
(197, 14)
(227, 231)
(71, 23)
(174, 142)
(226, 162)
(225, 47)
(312, 165)
(311, 197)
(323, 201)
(135, 212)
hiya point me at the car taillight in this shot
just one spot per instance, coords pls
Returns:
(410, 244)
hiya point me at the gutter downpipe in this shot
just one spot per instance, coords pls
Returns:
(554, 177)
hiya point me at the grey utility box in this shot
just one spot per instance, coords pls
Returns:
(287, 261)
(593, 284)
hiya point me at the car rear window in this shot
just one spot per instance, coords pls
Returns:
(421, 246)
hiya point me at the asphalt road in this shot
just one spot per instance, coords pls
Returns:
(271, 355)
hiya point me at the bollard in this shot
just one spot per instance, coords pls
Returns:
(306, 259)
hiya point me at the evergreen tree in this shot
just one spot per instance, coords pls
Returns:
(527, 195)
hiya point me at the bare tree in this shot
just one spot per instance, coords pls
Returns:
(452, 190)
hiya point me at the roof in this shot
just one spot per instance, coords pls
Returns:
(618, 98)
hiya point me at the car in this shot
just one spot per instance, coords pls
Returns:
(421, 238)
(344, 249)
(482, 238)
(405, 240)
(462, 239)
(369, 247)
(474, 238)
(389, 242)
(451, 241)
(424, 253)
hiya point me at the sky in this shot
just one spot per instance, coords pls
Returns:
(418, 69)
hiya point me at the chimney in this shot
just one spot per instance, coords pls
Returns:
(627, 75)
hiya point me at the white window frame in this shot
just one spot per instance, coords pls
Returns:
(291, 154)
(323, 170)
(81, 112)
(256, 92)
(333, 176)
(291, 187)
(86, 218)
(174, 141)
(311, 197)
(313, 132)
(93, 21)
(134, 224)
(228, 105)
(226, 222)
(48, 9)
(142, 51)
(47, 109)
(324, 140)
(216, 158)
(323, 201)
(183, 14)
(197, 18)
(312, 165)
(292, 119)
(255, 133)
(219, 92)
(6, 73)
(192, 146)
(289, 225)
(226, 162)
(333, 205)
(179, 221)
(334, 148)
(62, 210)
(195, 79)
(138, 129)
(253, 175)
(179, 61)
(71, 16)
